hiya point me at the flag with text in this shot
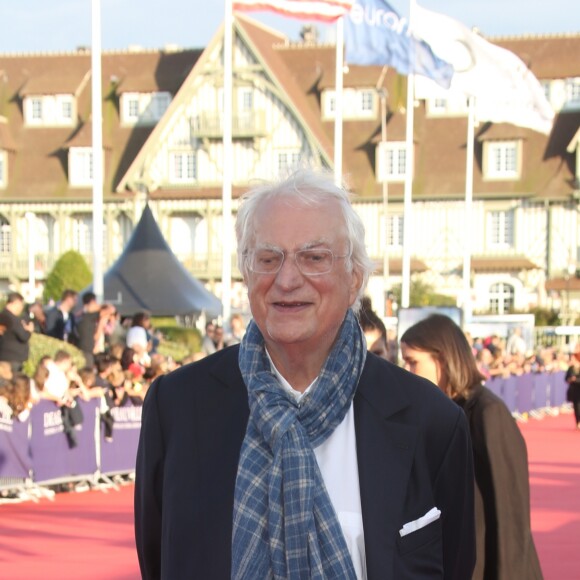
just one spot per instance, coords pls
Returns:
(375, 34)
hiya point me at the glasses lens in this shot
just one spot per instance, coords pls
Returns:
(266, 261)
(314, 261)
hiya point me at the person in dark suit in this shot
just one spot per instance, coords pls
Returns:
(437, 349)
(14, 340)
(298, 454)
(60, 320)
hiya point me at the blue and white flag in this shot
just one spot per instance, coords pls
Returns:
(375, 34)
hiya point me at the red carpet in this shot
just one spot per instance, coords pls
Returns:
(86, 536)
(81, 536)
(554, 459)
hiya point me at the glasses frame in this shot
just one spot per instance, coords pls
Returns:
(250, 253)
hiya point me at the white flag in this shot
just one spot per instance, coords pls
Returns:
(505, 89)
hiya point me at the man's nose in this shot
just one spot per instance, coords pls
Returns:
(289, 274)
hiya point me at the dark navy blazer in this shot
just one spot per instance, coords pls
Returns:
(413, 450)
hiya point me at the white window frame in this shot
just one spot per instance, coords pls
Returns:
(391, 157)
(80, 166)
(181, 174)
(5, 236)
(395, 230)
(287, 161)
(49, 110)
(501, 229)
(573, 91)
(502, 159)
(357, 104)
(144, 108)
(502, 297)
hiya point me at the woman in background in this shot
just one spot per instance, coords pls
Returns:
(436, 348)
(573, 380)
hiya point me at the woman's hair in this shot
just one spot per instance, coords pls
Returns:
(312, 188)
(40, 376)
(444, 340)
(16, 392)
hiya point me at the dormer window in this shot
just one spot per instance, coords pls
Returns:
(49, 110)
(357, 104)
(144, 108)
(80, 166)
(502, 160)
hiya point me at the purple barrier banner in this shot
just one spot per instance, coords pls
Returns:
(524, 393)
(509, 394)
(118, 454)
(541, 390)
(14, 452)
(52, 457)
(495, 385)
(558, 388)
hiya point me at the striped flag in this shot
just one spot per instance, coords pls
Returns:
(325, 10)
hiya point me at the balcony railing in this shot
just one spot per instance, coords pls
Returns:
(244, 125)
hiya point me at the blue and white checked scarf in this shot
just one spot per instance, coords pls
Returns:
(285, 526)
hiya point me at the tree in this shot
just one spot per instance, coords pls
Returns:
(69, 272)
(423, 294)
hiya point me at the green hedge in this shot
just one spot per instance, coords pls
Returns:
(42, 345)
(189, 338)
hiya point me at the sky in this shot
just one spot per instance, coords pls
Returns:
(64, 25)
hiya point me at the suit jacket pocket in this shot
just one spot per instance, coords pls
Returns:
(429, 534)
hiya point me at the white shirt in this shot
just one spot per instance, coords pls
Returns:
(337, 460)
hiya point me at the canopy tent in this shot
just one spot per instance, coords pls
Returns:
(148, 277)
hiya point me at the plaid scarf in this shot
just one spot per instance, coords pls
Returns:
(285, 526)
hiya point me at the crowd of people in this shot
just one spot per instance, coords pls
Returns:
(120, 357)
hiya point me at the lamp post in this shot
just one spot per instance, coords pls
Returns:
(571, 272)
(30, 218)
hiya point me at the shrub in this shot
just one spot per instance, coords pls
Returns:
(69, 272)
(190, 338)
(42, 345)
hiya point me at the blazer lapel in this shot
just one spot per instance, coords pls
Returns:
(385, 449)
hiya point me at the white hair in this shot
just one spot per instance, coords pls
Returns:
(313, 188)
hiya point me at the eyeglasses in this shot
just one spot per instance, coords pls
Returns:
(313, 262)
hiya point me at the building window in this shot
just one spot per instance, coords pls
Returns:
(144, 108)
(356, 104)
(395, 231)
(287, 162)
(45, 225)
(501, 229)
(573, 91)
(245, 99)
(3, 169)
(183, 167)
(36, 109)
(80, 164)
(49, 110)
(501, 298)
(391, 161)
(502, 160)
(5, 236)
(83, 234)
(366, 101)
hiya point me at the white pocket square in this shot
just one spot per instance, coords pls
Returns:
(432, 515)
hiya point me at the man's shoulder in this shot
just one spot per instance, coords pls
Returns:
(215, 370)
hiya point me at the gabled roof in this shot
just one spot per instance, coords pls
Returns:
(46, 148)
(148, 277)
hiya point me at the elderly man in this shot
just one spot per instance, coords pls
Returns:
(297, 454)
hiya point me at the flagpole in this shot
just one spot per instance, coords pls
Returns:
(338, 101)
(97, 150)
(408, 190)
(467, 229)
(228, 159)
